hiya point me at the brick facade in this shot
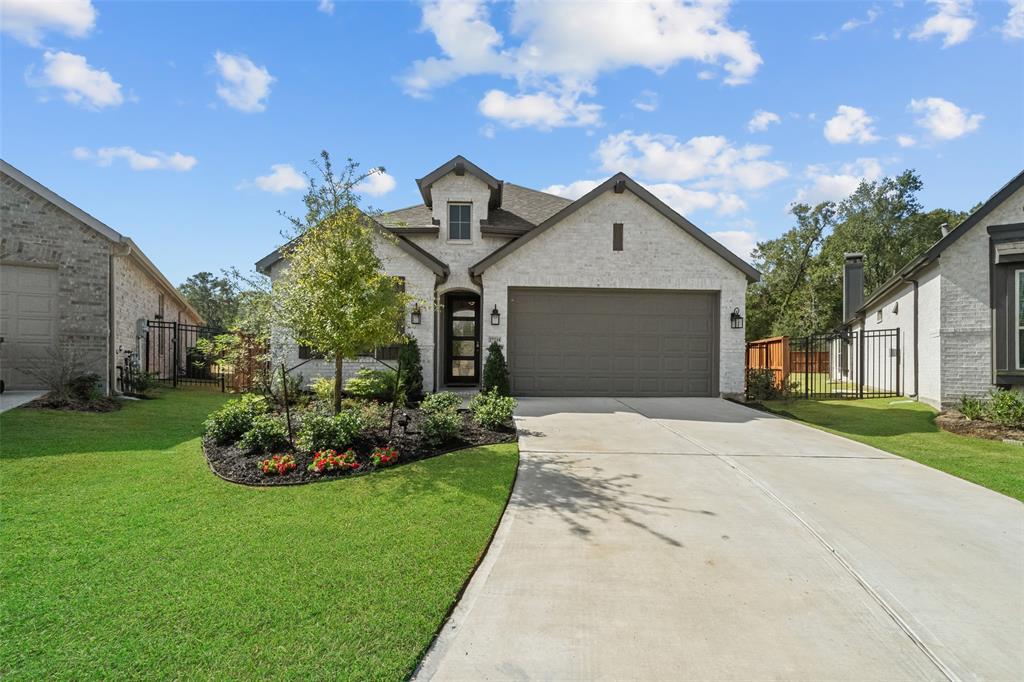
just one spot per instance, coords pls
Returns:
(36, 232)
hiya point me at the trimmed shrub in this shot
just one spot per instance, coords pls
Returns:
(86, 387)
(277, 465)
(371, 415)
(412, 369)
(1006, 408)
(492, 410)
(323, 431)
(374, 384)
(323, 389)
(496, 371)
(972, 408)
(441, 426)
(761, 385)
(267, 433)
(234, 418)
(440, 402)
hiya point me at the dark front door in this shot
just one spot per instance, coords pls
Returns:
(462, 351)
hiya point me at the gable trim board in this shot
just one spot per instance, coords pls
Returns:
(618, 183)
(936, 249)
(460, 165)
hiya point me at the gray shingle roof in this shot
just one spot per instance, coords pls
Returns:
(521, 210)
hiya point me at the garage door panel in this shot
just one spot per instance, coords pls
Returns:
(28, 322)
(612, 342)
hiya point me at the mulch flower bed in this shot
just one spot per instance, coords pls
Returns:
(233, 464)
(954, 422)
(74, 404)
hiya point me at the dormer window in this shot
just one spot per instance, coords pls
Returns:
(458, 221)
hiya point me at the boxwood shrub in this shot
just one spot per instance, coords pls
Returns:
(234, 418)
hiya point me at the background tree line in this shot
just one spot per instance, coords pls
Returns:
(801, 290)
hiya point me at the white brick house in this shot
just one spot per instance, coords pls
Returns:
(612, 294)
(959, 306)
(68, 280)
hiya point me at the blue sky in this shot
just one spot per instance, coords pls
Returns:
(184, 124)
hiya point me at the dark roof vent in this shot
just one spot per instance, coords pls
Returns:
(620, 187)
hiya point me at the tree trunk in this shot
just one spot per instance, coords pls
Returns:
(338, 362)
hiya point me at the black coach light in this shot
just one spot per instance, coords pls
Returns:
(495, 316)
(736, 319)
(415, 316)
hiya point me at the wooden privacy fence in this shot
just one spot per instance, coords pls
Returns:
(770, 354)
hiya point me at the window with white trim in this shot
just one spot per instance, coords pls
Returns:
(458, 221)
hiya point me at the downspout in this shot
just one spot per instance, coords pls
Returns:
(916, 395)
(111, 361)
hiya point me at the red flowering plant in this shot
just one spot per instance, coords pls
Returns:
(277, 465)
(331, 460)
(384, 457)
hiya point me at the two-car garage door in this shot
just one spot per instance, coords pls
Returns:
(608, 342)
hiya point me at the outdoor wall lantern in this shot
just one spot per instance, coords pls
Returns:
(415, 316)
(736, 319)
(495, 316)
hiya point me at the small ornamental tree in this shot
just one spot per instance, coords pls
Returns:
(496, 371)
(334, 295)
(412, 369)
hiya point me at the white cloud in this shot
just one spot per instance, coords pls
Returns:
(82, 84)
(826, 185)
(954, 20)
(706, 75)
(648, 100)
(740, 242)
(378, 183)
(561, 50)
(680, 198)
(573, 190)
(137, 161)
(1013, 27)
(282, 178)
(28, 20)
(761, 120)
(906, 140)
(243, 85)
(325, 6)
(850, 124)
(711, 160)
(850, 24)
(943, 119)
(541, 110)
(561, 41)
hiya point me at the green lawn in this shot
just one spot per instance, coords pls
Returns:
(123, 556)
(907, 429)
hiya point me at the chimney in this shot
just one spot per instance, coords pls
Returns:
(853, 284)
(944, 229)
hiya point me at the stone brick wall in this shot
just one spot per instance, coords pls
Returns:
(657, 254)
(32, 230)
(966, 322)
(137, 297)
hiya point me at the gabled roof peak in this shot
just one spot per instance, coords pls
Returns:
(460, 165)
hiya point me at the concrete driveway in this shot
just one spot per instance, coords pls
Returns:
(666, 539)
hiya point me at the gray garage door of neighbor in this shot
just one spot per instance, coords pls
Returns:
(28, 322)
(613, 342)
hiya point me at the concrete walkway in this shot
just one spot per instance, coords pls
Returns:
(11, 399)
(667, 539)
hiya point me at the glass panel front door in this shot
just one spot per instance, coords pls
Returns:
(463, 329)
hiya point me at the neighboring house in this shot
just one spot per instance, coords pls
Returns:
(69, 281)
(614, 294)
(959, 306)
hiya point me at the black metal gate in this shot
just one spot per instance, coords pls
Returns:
(846, 364)
(172, 356)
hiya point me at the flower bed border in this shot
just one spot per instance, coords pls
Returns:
(509, 436)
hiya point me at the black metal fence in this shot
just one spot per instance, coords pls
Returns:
(172, 355)
(843, 364)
